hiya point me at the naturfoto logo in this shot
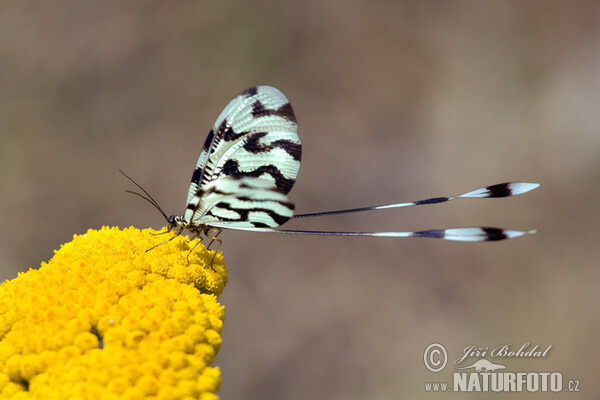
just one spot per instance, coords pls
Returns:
(483, 375)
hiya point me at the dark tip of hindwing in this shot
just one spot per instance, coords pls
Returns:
(494, 234)
(499, 190)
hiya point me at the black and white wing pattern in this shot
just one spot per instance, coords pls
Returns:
(249, 162)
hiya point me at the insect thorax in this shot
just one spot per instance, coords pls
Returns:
(179, 224)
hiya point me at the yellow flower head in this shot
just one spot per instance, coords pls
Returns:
(104, 319)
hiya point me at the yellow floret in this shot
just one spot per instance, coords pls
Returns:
(105, 319)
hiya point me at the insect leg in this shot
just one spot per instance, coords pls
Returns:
(161, 233)
(177, 233)
(214, 238)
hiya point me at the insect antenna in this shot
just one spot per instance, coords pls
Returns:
(149, 199)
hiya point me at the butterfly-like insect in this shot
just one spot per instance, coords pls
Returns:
(249, 163)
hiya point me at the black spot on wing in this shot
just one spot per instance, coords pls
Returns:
(252, 145)
(284, 185)
(196, 175)
(226, 132)
(251, 91)
(293, 149)
(231, 168)
(209, 139)
(285, 111)
(259, 110)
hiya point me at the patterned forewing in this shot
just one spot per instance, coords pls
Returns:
(241, 202)
(256, 135)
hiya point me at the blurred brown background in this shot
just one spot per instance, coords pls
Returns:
(396, 101)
